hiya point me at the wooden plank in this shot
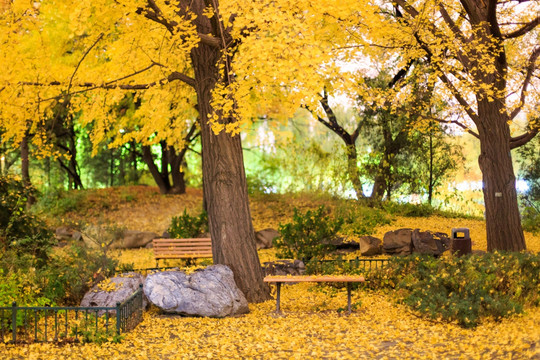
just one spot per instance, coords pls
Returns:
(320, 278)
(195, 240)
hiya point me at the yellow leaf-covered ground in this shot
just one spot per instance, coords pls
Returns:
(311, 327)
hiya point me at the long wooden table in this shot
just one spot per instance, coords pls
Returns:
(349, 280)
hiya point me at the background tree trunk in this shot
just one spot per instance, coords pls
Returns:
(25, 168)
(503, 223)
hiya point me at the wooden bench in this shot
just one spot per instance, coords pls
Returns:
(278, 280)
(182, 249)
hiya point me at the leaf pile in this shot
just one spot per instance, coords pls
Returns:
(311, 328)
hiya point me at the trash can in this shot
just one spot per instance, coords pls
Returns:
(461, 241)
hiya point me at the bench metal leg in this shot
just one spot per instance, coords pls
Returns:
(349, 286)
(278, 293)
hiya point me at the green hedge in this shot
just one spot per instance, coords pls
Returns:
(467, 289)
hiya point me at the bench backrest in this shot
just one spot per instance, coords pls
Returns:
(182, 248)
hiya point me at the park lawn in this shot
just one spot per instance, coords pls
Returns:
(314, 325)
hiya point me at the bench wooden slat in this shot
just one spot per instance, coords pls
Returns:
(320, 278)
(182, 248)
(182, 241)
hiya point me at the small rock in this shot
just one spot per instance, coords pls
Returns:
(344, 245)
(133, 239)
(264, 238)
(398, 242)
(370, 246)
(424, 242)
(284, 267)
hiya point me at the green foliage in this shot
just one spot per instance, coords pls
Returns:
(409, 210)
(58, 202)
(19, 286)
(15, 221)
(334, 267)
(95, 329)
(72, 272)
(64, 279)
(466, 289)
(360, 220)
(308, 235)
(187, 226)
(531, 219)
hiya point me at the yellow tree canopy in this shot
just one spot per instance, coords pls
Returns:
(90, 53)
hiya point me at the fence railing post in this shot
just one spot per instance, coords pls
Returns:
(14, 320)
(118, 317)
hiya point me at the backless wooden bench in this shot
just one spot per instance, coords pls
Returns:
(278, 280)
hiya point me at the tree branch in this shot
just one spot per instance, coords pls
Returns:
(81, 60)
(524, 138)
(455, 122)
(523, 30)
(531, 67)
(156, 15)
(174, 76)
(451, 24)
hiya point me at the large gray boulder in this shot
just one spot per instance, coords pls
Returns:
(114, 290)
(398, 242)
(209, 292)
(426, 242)
(370, 246)
(264, 238)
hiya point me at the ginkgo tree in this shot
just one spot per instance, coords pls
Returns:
(239, 58)
(485, 56)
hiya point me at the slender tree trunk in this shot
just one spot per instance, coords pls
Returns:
(161, 181)
(352, 169)
(178, 181)
(111, 169)
(503, 223)
(430, 184)
(73, 165)
(225, 186)
(25, 168)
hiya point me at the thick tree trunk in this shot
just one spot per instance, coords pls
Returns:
(503, 223)
(225, 187)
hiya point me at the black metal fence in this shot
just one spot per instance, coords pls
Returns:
(27, 324)
(356, 263)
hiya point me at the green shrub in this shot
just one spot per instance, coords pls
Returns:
(187, 226)
(15, 221)
(530, 219)
(465, 289)
(308, 236)
(21, 231)
(409, 210)
(72, 272)
(360, 220)
(19, 286)
(59, 202)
